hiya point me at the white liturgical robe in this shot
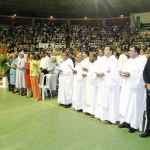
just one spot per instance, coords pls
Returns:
(91, 89)
(78, 88)
(65, 82)
(132, 93)
(108, 94)
(122, 59)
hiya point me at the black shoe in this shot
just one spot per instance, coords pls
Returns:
(23, 94)
(124, 125)
(15, 91)
(108, 122)
(145, 134)
(92, 116)
(10, 90)
(80, 110)
(67, 106)
(132, 130)
(61, 104)
(86, 113)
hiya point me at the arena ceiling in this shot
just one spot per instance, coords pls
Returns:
(73, 8)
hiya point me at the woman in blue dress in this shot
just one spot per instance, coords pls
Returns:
(13, 71)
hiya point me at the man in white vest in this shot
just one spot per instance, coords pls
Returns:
(65, 81)
(132, 92)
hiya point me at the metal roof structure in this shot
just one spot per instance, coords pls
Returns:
(73, 8)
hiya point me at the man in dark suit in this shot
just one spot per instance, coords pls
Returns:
(146, 76)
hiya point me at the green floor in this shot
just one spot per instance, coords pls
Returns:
(43, 125)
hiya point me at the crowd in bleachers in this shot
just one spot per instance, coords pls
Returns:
(83, 37)
(16, 37)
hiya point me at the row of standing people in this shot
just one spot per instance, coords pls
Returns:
(24, 71)
(104, 87)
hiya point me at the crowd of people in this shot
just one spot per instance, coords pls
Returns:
(28, 38)
(107, 88)
(23, 72)
(100, 74)
(83, 37)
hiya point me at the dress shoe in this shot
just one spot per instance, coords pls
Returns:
(15, 91)
(67, 106)
(80, 110)
(23, 94)
(92, 116)
(61, 104)
(132, 130)
(124, 125)
(9, 89)
(88, 114)
(108, 122)
(145, 134)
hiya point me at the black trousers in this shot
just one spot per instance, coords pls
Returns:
(148, 110)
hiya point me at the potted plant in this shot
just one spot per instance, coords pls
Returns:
(4, 57)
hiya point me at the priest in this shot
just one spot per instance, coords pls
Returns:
(78, 85)
(108, 94)
(91, 86)
(65, 81)
(132, 92)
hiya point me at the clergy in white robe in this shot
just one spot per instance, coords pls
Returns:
(20, 73)
(91, 86)
(122, 59)
(99, 86)
(132, 92)
(78, 85)
(65, 81)
(100, 54)
(109, 93)
(85, 63)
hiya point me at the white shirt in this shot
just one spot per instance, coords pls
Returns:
(45, 62)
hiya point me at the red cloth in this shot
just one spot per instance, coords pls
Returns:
(28, 81)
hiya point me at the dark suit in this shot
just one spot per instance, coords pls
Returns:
(146, 76)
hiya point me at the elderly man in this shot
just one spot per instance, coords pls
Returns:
(78, 85)
(132, 92)
(65, 81)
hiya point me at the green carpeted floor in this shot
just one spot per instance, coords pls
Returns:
(43, 125)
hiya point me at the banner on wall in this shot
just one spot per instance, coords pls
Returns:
(53, 45)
